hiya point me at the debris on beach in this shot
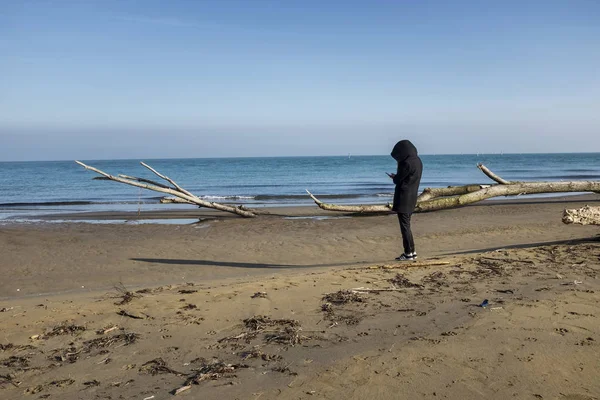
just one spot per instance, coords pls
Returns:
(72, 353)
(339, 299)
(262, 295)
(63, 329)
(58, 383)
(280, 331)
(284, 370)
(92, 383)
(261, 322)
(187, 291)
(123, 338)
(69, 355)
(8, 346)
(343, 297)
(211, 371)
(256, 352)
(106, 330)
(437, 278)
(9, 378)
(124, 313)
(19, 362)
(290, 335)
(401, 281)
(125, 295)
(156, 367)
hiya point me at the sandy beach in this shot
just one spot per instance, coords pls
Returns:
(296, 307)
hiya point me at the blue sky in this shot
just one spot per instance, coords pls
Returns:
(144, 79)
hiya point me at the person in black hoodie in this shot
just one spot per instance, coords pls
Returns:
(407, 180)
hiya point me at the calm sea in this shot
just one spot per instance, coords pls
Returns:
(30, 189)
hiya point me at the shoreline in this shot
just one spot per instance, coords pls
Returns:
(276, 211)
(56, 257)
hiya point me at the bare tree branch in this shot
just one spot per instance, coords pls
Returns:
(166, 178)
(375, 208)
(180, 193)
(492, 175)
(135, 178)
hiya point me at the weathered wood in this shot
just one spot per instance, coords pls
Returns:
(432, 193)
(375, 208)
(135, 178)
(583, 216)
(434, 199)
(166, 178)
(177, 191)
(492, 175)
(507, 190)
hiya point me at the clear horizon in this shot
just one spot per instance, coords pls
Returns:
(126, 80)
(295, 156)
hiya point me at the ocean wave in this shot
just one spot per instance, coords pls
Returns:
(209, 197)
(72, 203)
(47, 203)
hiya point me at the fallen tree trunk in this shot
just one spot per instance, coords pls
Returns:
(433, 193)
(507, 190)
(428, 194)
(583, 216)
(434, 199)
(368, 208)
(181, 194)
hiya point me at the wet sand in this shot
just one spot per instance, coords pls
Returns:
(265, 308)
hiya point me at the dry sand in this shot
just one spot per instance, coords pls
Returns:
(239, 308)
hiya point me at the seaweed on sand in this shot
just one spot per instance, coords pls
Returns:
(158, 366)
(401, 281)
(343, 297)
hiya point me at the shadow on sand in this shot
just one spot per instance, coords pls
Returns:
(594, 239)
(213, 263)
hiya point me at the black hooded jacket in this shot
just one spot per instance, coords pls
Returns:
(408, 176)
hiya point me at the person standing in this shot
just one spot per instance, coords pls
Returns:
(407, 179)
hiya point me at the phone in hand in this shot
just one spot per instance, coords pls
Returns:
(391, 175)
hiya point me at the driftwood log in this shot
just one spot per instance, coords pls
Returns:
(180, 194)
(431, 199)
(434, 199)
(582, 216)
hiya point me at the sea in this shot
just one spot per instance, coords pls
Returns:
(30, 190)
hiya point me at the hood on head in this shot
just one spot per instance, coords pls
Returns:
(403, 149)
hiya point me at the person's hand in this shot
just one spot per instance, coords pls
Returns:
(391, 175)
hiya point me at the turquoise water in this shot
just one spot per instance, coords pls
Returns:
(28, 189)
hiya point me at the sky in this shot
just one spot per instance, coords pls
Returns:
(159, 79)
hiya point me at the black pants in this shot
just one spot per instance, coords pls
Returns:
(407, 237)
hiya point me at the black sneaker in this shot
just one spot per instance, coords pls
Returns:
(406, 257)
